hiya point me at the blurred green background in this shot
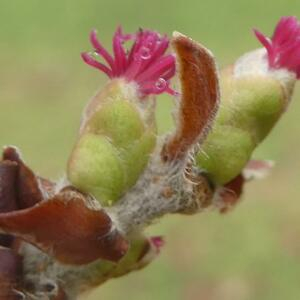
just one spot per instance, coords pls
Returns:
(251, 253)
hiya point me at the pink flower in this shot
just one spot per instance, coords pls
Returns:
(144, 63)
(284, 47)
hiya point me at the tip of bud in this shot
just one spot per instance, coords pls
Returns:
(158, 242)
(283, 49)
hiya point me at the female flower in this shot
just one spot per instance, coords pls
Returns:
(145, 63)
(118, 131)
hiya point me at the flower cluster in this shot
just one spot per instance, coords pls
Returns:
(145, 63)
(59, 239)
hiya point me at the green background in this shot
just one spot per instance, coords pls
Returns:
(252, 253)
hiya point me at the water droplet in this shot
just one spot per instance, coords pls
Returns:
(145, 53)
(161, 84)
(94, 54)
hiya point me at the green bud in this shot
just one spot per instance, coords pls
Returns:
(114, 145)
(250, 106)
(96, 168)
(252, 103)
(119, 121)
(135, 157)
(225, 152)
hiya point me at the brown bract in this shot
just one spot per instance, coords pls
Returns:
(67, 229)
(66, 225)
(231, 193)
(28, 191)
(199, 98)
(8, 174)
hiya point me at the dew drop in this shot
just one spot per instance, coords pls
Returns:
(145, 53)
(161, 84)
(94, 54)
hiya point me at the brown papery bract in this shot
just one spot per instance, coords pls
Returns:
(199, 98)
(68, 229)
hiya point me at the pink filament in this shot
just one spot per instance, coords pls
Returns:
(283, 49)
(145, 63)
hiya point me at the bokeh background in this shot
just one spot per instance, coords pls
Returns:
(252, 253)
